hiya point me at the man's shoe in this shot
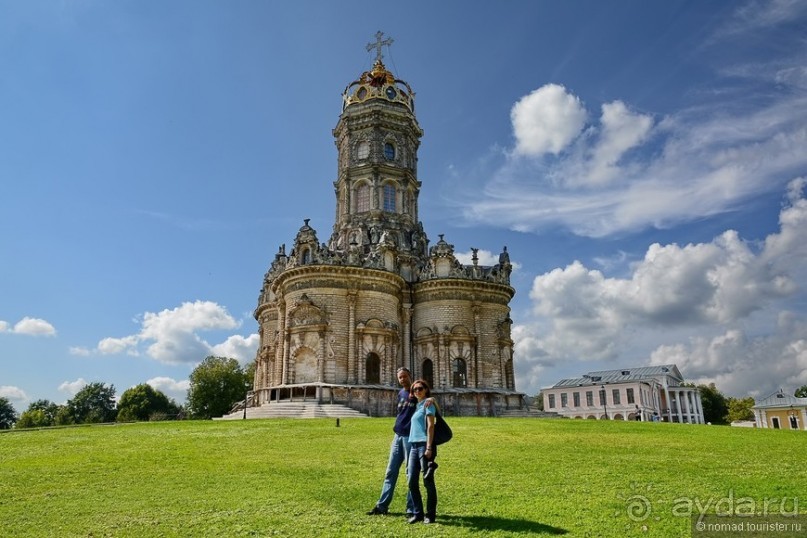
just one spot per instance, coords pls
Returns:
(427, 520)
(415, 519)
(376, 511)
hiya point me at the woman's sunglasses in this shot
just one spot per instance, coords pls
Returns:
(418, 389)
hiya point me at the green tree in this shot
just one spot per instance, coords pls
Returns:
(715, 407)
(8, 415)
(39, 414)
(94, 403)
(801, 392)
(215, 385)
(142, 402)
(740, 409)
(538, 401)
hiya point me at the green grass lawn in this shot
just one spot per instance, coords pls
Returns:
(498, 477)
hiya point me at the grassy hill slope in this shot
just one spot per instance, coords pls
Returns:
(498, 477)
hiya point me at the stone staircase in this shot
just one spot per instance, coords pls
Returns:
(298, 409)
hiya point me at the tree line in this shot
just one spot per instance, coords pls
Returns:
(216, 384)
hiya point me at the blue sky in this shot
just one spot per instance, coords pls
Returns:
(644, 163)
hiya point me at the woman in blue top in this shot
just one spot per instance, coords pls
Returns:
(421, 454)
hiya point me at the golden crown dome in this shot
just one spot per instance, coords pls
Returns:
(378, 83)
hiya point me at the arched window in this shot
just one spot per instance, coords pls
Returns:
(389, 198)
(363, 198)
(460, 373)
(306, 257)
(428, 372)
(372, 369)
(389, 151)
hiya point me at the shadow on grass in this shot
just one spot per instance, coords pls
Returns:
(492, 523)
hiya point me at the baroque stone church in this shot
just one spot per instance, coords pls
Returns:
(338, 317)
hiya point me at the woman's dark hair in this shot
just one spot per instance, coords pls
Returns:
(424, 384)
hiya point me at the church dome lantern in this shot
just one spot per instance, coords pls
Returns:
(379, 83)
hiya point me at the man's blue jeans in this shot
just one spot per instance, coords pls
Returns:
(398, 455)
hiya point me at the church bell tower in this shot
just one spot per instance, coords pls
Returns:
(377, 189)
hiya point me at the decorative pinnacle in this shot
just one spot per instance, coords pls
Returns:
(379, 43)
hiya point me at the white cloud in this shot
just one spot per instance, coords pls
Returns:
(15, 394)
(111, 346)
(177, 390)
(72, 387)
(743, 136)
(622, 130)
(29, 326)
(691, 305)
(619, 179)
(172, 335)
(547, 120)
(756, 14)
(238, 347)
(79, 350)
(743, 365)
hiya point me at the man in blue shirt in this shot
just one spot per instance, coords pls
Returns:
(399, 450)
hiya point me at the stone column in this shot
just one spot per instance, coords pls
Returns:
(283, 344)
(351, 337)
(679, 404)
(668, 402)
(321, 365)
(804, 418)
(383, 375)
(441, 354)
(475, 349)
(408, 356)
(700, 407)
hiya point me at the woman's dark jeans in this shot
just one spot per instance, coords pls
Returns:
(417, 466)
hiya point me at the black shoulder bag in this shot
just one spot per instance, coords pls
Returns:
(442, 431)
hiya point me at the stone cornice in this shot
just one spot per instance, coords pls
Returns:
(463, 289)
(339, 277)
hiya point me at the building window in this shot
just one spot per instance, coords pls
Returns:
(617, 400)
(576, 399)
(564, 400)
(389, 151)
(552, 401)
(373, 369)
(589, 398)
(629, 394)
(389, 198)
(460, 373)
(775, 422)
(428, 372)
(364, 150)
(602, 396)
(363, 198)
(794, 424)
